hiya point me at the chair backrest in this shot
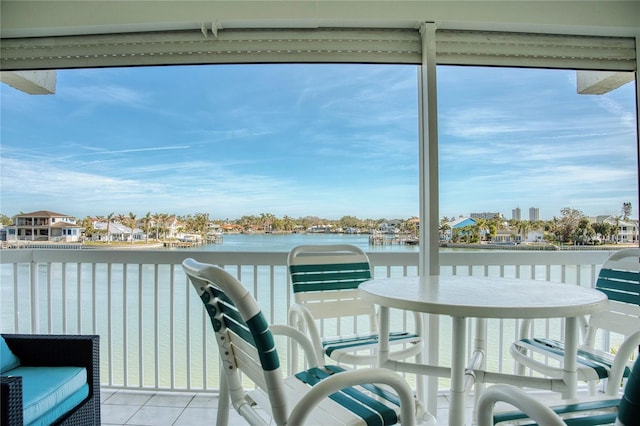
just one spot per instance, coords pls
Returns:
(619, 279)
(325, 279)
(244, 340)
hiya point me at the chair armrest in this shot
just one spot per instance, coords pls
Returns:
(523, 360)
(11, 395)
(301, 318)
(300, 338)
(626, 349)
(345, 379)
(525, 327)
(59, 350)
(518, 398)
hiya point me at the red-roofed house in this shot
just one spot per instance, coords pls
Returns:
(44, 226)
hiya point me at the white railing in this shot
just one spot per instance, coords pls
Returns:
(154, 333)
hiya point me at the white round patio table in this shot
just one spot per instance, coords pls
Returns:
(464, 297)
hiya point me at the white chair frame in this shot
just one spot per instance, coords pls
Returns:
(622, 317)
(247, 350)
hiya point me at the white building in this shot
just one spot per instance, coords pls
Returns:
(118, 232)
(44, 225)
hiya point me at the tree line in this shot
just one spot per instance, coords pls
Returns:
(571, 227)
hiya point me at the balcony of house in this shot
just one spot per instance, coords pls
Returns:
(157, 352)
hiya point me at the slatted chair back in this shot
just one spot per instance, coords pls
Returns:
(244, 340)
(619, 279)
(325, 279)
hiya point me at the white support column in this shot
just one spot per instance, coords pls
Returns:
(638, 103)
(428, 154)
(31, 82)
(429, 263)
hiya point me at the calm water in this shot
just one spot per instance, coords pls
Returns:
(134, 324)
(285, 242)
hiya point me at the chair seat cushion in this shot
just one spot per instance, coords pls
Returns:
(364, 405)
(360, 341)
(600, 412)
(50, 392)
(598, 362)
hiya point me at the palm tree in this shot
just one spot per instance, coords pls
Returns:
(157, 217)
(524, 226)
(616, 228)
(146, 222)
(444, 227)
(164, 219)
(482, 227)
(109, 217)
(132, 223)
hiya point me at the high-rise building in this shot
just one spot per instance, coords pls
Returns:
(534, 214)
(515, 213)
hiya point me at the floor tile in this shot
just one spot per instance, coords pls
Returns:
(169, 400)
(197, 417)
(129, 398)
(204, 400)
(117, 414)
(155, 416)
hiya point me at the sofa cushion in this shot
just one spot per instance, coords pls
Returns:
(8, 360)
(45, 388)
(63, 408)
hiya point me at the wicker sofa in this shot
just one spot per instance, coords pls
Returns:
(53, 351)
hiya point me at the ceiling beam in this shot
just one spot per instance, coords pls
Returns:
(41, 18)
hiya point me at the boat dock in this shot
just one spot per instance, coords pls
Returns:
(387, 240)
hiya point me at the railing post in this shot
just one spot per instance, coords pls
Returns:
(35, 306)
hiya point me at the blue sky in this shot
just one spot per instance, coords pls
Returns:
(323, 140)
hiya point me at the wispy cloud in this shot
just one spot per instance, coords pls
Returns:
(325, 140)
(99, 151)
(112, 93)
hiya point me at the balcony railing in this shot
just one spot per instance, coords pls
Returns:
(154, 333)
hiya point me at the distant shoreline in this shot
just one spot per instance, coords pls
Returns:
(537, 247)
(163, 245)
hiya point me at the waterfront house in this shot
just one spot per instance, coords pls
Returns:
(457, 227)
(627, 229)
(44, 225)
(116, 231)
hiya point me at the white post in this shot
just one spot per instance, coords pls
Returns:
(35, 297)
(638, 101)
(428, 186)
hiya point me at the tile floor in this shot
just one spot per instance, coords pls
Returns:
(160, 409)
(125, 407)
(182, 409)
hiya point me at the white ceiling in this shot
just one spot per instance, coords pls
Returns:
(19, 18)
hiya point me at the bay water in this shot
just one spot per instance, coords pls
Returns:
(127, 324)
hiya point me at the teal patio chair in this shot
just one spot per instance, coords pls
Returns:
(623, 411)
(619, 278)
(319, 395)
(325, 281)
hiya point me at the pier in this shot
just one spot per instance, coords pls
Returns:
(388, 240)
